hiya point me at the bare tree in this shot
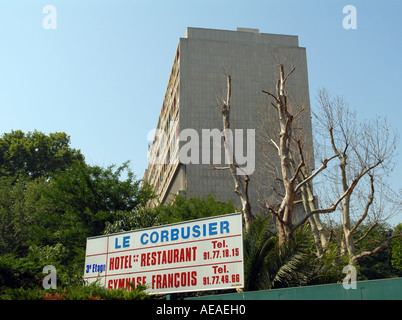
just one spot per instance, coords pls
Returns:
(269, 181)
(241, 180)
(365, 152)
(290, 169)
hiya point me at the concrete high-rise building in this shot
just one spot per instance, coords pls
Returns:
(196, 86)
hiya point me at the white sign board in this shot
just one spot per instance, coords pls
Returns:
(204, 254)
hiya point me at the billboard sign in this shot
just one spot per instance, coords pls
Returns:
(203, 254)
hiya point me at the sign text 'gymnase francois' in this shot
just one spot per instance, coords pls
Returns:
(203, 254)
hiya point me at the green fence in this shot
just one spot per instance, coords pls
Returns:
(386, 289)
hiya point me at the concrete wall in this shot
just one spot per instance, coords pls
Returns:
(252, 60)
(198, 84)
(385, 289)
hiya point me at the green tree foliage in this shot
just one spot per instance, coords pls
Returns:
(85, 198)
(183, 209)
(270, 265)
(36, 154)
(180, 209)
(397, 250)
(51, 201)
(259, 241)
(141, 217)
(376, 266)
(14, 215)
(77, 292)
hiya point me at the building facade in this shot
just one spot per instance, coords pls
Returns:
(191, 111)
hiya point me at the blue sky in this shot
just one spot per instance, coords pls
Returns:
(101, 75)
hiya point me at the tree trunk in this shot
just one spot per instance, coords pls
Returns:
(241, 181)
(314, 221)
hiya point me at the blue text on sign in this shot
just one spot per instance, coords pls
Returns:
(125, 244)
(195, 231)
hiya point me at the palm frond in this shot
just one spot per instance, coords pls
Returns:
(258, 242)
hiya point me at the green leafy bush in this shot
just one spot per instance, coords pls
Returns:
(91, 291)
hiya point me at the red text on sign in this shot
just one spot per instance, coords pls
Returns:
(174, 280)
(168, 256)
(127, 283)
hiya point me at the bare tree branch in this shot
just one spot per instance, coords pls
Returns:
(332, 207)
(366, 209)
(219, 168)
(376, 250)
(287, 76)
(299, 113)
(272, 210)
(300, 166)
(271, 95)
(312, 176)
(276, 146)
(367, 233)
